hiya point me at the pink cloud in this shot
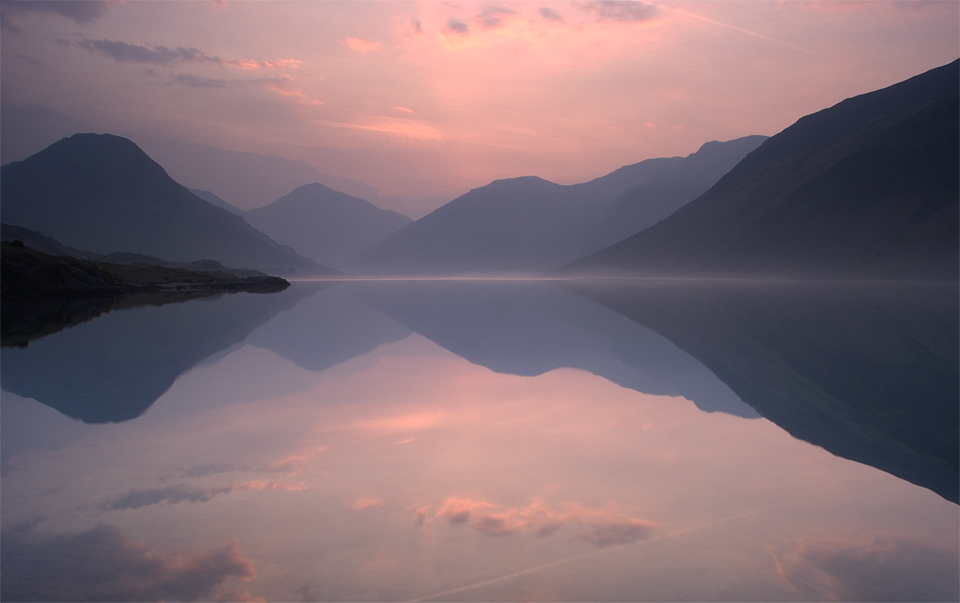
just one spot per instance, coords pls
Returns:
(367, 503)
(152, 54)
(361, 45)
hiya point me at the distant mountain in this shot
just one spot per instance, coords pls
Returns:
(101, 193)
(246, 179)
(866, 189)
(868, 371)
(513, 225)
(216, 201)
(526, 225)
(325, 225)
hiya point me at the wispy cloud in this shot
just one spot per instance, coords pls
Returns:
(78, 12)
(550, 14)
(607, 527)
(624, 11)
(367, 503)
(739, 29)
(171, 495)
(457, 26)
(161, 55)
(492, 16)
(361, 45)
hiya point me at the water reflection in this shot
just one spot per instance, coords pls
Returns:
(302, 465)
(869, 372)
(114, 366)
(530, 328)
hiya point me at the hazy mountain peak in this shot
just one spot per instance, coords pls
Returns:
(102, 193)
(324, 224)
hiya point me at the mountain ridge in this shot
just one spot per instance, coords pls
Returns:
(325, 225)
(864, 189)
(102, 193)
(524, 225)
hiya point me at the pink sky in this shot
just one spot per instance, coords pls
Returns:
(425, 100)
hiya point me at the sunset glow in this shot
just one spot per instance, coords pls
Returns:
(425, 100)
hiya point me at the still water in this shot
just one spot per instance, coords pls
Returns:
(488, 441)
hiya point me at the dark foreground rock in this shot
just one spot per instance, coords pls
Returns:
(30, 273)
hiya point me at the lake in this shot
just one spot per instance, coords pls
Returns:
(489, 441)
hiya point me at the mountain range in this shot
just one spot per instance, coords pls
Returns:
(247, 179)
(866, 189)
(101, 193)
(527, 225)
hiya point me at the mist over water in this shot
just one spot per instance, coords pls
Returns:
(479, 439)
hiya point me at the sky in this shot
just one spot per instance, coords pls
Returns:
(425, 100)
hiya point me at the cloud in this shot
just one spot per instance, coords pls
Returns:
(100, 565)
(78, 12)
(193, 81)
(497, 524)
(604, 535)
(417, 26)
(171, 495)
(211, 469)
(277, 84)
(367, 503)
(361, 45)
(421, 516)
(884, 569)
(459, 510)
(161, 55)
(625, 11)
(457, 26)
(549, 14)
(608, 527)
(492, 16)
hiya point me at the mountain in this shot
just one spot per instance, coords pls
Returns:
(325, 225)
(867, 371)
(646, 204)
(101, 193)
(514, 225)
(866, 189)
(526, 225)
(246, 179)
(216, 201)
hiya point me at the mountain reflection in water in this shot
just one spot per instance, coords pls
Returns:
(491, 441)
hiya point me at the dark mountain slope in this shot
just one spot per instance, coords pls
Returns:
(102, 193)
(325, 225)
(513, 225)
(865, 189)
(646, 204)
